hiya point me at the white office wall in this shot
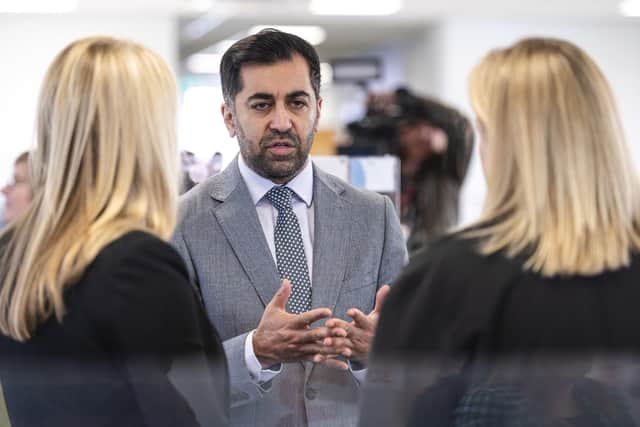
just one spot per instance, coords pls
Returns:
(451, 49)
(29, 43)
(424, 60)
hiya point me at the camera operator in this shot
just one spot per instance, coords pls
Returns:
(434, 143)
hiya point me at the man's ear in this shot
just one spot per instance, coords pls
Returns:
(318, 109)
(227, 116)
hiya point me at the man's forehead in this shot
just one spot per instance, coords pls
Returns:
(278, 79)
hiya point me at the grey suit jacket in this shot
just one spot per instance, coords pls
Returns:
(358, 246)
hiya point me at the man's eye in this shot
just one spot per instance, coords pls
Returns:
(296, 103)
(260, 106)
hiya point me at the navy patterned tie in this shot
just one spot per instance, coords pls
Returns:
(290, 256)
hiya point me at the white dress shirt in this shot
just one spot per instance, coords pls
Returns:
(302, 187)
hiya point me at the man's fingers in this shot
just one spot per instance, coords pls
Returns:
(312, 335)
(337, 323)
(315, 348)
(381, 295)
(304, 319)
(360, 319)
(341, 346)
(338, 332)
(281, 297)
(337, 343)
(331, 361)
(335, 364)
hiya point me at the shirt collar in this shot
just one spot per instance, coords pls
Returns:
(301, 184)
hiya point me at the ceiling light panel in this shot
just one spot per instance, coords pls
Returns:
(355, 7)
(38, 6)
(630, 8)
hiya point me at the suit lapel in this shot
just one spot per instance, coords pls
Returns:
(238, 219)
(330, 244)
(331, 239)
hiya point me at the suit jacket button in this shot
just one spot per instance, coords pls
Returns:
(311, 393)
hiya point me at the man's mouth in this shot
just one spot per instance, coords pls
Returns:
(281, 147)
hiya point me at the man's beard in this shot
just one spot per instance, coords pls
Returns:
(278, 169)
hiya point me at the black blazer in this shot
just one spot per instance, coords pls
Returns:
(457, 322)
(134, 349)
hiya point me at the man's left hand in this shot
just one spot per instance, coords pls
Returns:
(354, 338)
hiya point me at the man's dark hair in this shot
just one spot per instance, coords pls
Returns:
(266, 47)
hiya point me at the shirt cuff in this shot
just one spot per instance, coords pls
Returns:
(358, 371)
(258, 375)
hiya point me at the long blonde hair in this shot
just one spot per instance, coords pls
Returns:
(106, 163)
(562, 189)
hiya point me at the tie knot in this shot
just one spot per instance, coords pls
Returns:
(280, 198)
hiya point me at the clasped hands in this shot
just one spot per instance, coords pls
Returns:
(285, 337)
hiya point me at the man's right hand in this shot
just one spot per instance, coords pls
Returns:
(285, 337)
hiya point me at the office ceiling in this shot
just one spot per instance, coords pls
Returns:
(411, 8)
(203, 23)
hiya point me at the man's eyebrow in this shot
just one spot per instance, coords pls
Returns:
(298, 94)
(260, 96)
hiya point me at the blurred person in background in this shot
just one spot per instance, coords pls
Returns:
(99, 322)
(187, 161)
(434, 143)
(18, 192)
(194, 170)
(214, 165)
(506, 322)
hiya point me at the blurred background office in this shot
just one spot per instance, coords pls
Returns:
(366, 47)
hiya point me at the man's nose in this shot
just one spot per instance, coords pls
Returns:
(280, 120)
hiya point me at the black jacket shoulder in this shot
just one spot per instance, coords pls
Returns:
(444, 298)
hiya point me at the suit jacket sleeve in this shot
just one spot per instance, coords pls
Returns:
(178, 242)
(386, 399)
(394, 251)
(243, 389)
(394, 257)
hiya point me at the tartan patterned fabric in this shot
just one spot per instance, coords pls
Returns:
(494, 407)
(505, 406)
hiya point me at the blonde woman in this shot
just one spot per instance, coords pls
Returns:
(499, 324)
(99, 323)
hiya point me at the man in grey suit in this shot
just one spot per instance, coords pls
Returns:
(296, 348)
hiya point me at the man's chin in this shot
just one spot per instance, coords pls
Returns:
(281, 174)
(278, 169)
(282, 170)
